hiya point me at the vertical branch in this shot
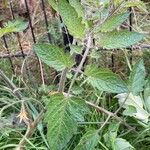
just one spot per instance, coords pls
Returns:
(30, 21)
(130, 29)
(8, 52)
(11, 85)
(18, 36)
(112, 61)
(67, 39)
(89, 43)
(62, 80)
(34, 39)
(46, 21)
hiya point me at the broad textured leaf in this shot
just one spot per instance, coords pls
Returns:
(130, 100)
(78, 109)
(112, 22)
(53, 4)
(53, 56)
(71, 19)
(122, 144)
(88, 141)
(13, 26)
(105, 80)
(114, 39)
(61, 122)
(137, 77)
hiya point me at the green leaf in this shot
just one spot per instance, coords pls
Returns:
(113, 22)
(75, 49)
(117, 2)
(61, 122)
(76, 4)
(88, 141)
(105, 80)
(78, 109)
(111, 134)
(129, 100)
(122, 144)
(137, 78)
(53, 4)
(147, 94)
(71, 19)
(114, 39)
(139, 4)
(13, 26)
(130, 111)
(53, 56)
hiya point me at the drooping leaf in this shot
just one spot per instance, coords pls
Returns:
(122, 144)
(129, 111)
(113, 142)
(105, 80)
(71, 19)
(13, 26)
(139, 4)
(137, 77)
(53, 56)
(129, 100)
(112, 22)
(53, 4)
(147, 94)
(88, 141)
(95, 54)
(61, 117)
(114, 39)
(111, 134)
(76, 4)
(75, 49)
(117, 2)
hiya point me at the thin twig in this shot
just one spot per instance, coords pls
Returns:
(89, 43)
(11, 85)
(19, 54)
(62, 80)
(110, 114)
(106, 121)
(30, 130)
(32, 124)
(116, 112)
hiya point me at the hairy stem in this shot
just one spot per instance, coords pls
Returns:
(89, 43)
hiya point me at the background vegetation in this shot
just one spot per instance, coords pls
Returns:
(82, 83)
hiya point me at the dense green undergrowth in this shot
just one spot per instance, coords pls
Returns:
(89, 106)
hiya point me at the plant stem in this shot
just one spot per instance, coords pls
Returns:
(89, 43)
(11, 85)
(30, 130)
(111, 115)
(31, 125)
(62, 80)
